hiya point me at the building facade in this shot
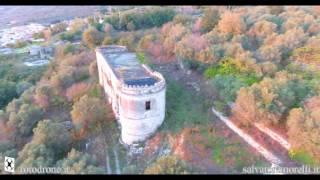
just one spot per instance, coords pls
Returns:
(136, 93)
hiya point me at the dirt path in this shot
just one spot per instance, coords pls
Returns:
(269, 144)
(273, 159)
(283, 142)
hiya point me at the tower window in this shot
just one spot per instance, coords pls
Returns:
(148, 105)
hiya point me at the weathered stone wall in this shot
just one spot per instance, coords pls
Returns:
(137, 123)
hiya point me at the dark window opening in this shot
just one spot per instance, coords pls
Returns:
(148, 105)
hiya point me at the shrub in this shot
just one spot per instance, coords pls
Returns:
(88, 115)
(7, 92)
(153, 17)
(25, 119)
(76, 91)
(80, 163)
(227, 86)
(209, 20)
(20, 44)
(71, 36)
(302, 157)
(168, 165)
(92, 37)
(22, 86)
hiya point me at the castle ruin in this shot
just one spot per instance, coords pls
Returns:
(136, 93)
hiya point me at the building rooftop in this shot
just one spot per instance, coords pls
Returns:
(126, 66)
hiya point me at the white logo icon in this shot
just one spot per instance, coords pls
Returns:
(9, 164)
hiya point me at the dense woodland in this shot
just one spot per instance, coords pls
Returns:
(263, 62)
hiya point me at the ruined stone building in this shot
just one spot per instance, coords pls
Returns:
(136, 93)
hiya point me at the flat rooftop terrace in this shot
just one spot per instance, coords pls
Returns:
(126, 66)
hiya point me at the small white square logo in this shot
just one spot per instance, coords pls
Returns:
(9, 164)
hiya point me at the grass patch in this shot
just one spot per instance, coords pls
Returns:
(226, 153)
(95, 91)
(302, 157)
(183, 108)
(217, 152)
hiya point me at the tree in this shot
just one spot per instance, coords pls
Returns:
(271, 100)
(71, 36)
(131, 26)
(194, 47)
(308, 55)
(92, 37)
(151, 17)
(25, 119)
(182, 19)
(76, 91)
(22, 86)
(77, 25)
(54, 135)
(108, 28)
(303, 131)
(209, 20)
(269, 54)
(262, 29)
(276, 10)
(64, 78)
(128, 40)
(172, 34)
(231, 23)
(42, 96)
(35, 155)
(7, 92)
(167, 165)
(107, 40)
(227, 86)
(80, 163)
(50, 142)
(58, 28)
(89, 114)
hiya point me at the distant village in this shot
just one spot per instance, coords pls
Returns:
(38, 53)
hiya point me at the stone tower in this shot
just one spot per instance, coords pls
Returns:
(136, 93)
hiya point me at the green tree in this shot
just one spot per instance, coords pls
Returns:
(92, 37)
(35, 155)
(54, 135)
(25, 119)
(167, 165)
(80, 163)
(227, 86)
(7, 92)
(22, 86)
(209, 20)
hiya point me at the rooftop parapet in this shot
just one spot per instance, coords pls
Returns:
(144, 89)
(112, 49)
(134, 78)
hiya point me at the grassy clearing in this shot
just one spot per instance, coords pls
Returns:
(226, 153)
(302, 157)
(183, 108)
